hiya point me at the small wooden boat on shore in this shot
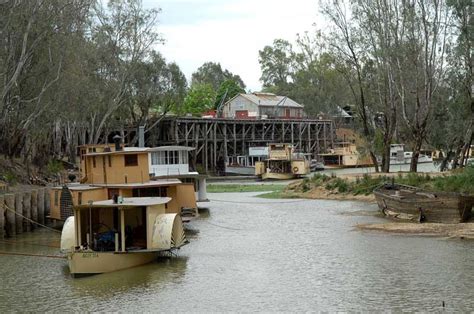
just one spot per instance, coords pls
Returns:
(411, 203)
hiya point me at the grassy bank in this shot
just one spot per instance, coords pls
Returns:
(461, 181)
(221, 188)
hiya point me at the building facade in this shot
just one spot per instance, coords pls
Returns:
(262, 106)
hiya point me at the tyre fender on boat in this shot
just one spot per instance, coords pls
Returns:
(295, 169)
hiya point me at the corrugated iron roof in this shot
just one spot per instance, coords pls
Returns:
(271, 100)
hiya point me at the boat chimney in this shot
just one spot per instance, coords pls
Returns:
(117, 140)
(141, 136)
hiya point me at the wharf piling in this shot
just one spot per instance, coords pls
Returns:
(27, 211)
(41, 214)
(19, 211)
(2, 217)
(10, 227)
(34, 207)
(16, 208)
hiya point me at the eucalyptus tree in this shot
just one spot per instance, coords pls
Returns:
(420, 64)
(154, 89)
(34, 44)
(277, 66)
(461, 62)
(212, 73)
(346, 43)
(124, 34)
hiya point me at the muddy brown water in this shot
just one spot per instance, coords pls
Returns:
(253, 254)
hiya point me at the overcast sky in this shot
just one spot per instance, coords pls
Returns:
(230, 32)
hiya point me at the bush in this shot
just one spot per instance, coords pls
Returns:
(54, 167)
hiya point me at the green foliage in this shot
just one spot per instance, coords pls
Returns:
(461, 182)
(229, 88)
(54, 167)
(340, 184)
(10, 178)
(306, 185)
(199, 99)
(221, 188)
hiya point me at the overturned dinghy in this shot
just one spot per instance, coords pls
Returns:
(106, 236)
(414, 204)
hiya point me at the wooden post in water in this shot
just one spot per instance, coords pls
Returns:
(47, 203)
(2, 217)
(19, 211)
(10, 215)
(27, 211)
(41, 206)
(34, 207)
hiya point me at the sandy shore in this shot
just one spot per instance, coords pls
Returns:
(323, 194)
(460, 231)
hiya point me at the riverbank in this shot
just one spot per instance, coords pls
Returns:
(459, 231)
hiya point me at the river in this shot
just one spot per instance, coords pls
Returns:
(253, 254)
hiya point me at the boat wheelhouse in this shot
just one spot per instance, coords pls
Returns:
(167, 162)
(344, 155)
(282, 163)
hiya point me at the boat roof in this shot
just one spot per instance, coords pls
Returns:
(77, 187)
(124, 151)
(192, 175)
(170, 148)
(138, 150)
(127, 202)
(149, 184)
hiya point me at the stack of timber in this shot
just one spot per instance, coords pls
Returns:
(411, 203)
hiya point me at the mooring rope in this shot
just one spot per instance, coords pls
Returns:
(30, 220)
(28, 243)
(31, 254)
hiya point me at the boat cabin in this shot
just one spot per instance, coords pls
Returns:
(343, 155)
(65, 197)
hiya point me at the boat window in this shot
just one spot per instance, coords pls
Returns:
(110, 161)
(93, 161)
(131, 160)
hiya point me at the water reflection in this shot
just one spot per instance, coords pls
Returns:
(151, 276)
(259, 255)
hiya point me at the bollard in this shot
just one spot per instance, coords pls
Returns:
(34, 207)
(19, 211)
(41, 213)
(27, 211)
(2, 217)
(10, 215)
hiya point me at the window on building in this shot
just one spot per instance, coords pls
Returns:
(131, 160)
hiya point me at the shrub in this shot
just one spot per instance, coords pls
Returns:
(54, 167)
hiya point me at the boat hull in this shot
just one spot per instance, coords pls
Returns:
(89, 263)
(278, 176)
(409, 203)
